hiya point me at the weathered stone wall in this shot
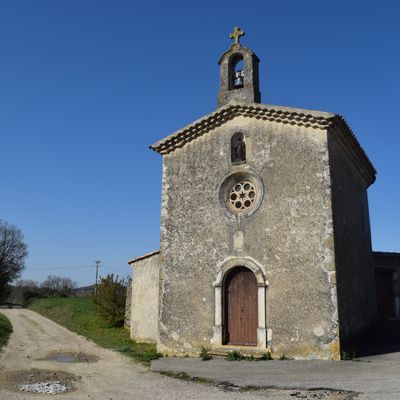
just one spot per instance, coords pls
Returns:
(144, 307)
(290, 236)
(128, 302)
(354, 273)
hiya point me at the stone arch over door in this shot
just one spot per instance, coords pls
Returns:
(224, 271)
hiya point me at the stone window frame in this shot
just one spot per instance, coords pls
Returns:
(226, 185)
(242, 196)
(263, 334)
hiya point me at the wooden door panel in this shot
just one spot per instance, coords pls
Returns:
(241, 307)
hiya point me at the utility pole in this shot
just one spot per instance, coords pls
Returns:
(97, 275)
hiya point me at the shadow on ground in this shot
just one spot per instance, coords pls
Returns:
(383, 339)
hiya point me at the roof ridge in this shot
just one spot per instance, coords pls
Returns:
(286, 115)
(233, 109)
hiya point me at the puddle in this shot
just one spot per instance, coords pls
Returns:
(71, 358)
(65, 358)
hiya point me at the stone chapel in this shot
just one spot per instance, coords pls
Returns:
(265, 234)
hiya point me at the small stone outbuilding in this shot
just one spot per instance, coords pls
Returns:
(387, 280)
(265, 232)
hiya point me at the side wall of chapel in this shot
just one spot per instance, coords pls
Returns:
(354, 271)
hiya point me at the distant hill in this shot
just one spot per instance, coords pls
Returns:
(83, 291)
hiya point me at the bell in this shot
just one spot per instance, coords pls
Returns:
(238, 79)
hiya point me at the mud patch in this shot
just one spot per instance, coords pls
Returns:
(305, 394)
(70, 357)
(270, 391)
(325, 394)
(28, 380)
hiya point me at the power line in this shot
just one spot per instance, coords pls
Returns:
(78, 267)
(59, 268)
(116, 270)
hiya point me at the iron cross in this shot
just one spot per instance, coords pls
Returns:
(236, 34)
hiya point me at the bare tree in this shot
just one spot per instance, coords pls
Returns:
(13, 252)
(58, 286)
(27, 284)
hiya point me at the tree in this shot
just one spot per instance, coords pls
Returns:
(28, 284)
(29, 288)
(13, 252)
(110, 299)
(58, 286)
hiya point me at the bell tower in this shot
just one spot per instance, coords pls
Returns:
(238, 73)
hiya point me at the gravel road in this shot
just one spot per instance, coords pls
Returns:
(112, 377)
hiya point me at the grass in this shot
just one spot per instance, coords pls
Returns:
(5, 330)
(237, 356)
(183, 376)
(79, 315)
(348, 355)
(234, 356)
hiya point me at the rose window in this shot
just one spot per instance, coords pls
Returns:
(242, 196)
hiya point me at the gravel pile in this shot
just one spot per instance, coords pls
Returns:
(51, 387)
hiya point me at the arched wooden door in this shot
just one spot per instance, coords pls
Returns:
(240, 308)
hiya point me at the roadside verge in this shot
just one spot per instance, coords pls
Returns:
(5, 330)
(79, 315)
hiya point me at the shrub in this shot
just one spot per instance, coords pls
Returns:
(205, 354)
(266, 356)
(234, 356)
(110, 299)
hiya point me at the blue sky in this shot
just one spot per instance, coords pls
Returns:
(87, 85)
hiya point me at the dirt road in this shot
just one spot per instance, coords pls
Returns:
(112, 377)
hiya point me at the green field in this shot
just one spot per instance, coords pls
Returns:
(5, 330)
(79, 315)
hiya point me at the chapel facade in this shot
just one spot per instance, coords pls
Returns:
(265, 233)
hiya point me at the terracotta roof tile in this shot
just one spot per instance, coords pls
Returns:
(285, 115)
